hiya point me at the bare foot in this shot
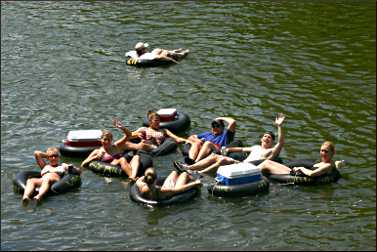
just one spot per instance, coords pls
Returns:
(133, 179)
(37, 198)
(25, 200)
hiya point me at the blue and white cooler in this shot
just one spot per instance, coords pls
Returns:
(237, 174)
(238, 180)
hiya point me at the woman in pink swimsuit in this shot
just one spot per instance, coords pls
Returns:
(114, 153)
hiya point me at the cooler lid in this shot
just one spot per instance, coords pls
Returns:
(84, 135)
(238, 170)
(167, 111)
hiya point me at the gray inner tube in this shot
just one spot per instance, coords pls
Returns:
(253, 188)
(67, 183)
(178, 198)
(181, 122)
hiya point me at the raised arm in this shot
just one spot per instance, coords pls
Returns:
(127, 133)
(39, 157)
(230, 121)
(281, 136)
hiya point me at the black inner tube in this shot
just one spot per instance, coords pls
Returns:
(253, 188)
(177, 198)
(301, 179)
(67, 183)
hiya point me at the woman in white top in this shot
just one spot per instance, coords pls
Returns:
(51, 172)
(323, 167)
(266, 150)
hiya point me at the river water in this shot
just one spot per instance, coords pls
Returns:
(63, 68)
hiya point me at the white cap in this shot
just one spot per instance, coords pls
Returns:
(141, 45)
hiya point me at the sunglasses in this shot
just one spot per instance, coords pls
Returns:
(53, 155)
(215, 125)
(325, 151)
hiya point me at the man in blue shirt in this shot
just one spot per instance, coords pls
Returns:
(211, 141)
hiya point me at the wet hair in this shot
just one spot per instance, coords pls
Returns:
(152, 115)
(331, 146)
(269, 133)
(218, 124)
(106, 133)
(150, 176)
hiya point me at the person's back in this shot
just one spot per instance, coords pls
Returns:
(147, 186)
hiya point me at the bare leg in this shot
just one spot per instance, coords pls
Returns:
(221, 160)
(204, 163)
(182, 179)
(272, 167)
(30, 187)
(194, 149)
(43, 189)
(206, 149)
(47, 181)
(157, 51)
(176, 51)
(135, 164)
(164, 53)
(124, 165)
(170, 181)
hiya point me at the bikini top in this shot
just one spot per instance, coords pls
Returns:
(153, 136)
(60, 170)
(108, 158)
